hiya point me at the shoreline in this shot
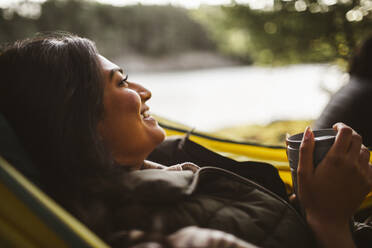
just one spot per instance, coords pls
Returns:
(190, 60)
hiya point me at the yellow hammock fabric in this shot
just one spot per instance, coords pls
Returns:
(243, 151)
(29, 218)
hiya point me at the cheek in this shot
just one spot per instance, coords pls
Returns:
(123, 103)
(121, 113)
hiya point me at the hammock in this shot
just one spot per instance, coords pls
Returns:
(243, 151)
(29, 218)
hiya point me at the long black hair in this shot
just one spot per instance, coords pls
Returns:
(51, 92)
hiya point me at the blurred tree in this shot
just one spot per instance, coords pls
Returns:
(291, 31)
(148, 30)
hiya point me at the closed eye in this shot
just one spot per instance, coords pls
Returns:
(123, 82)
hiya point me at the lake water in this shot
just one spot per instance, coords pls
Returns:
(209, 99)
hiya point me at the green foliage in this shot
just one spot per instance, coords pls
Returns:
(148, 30)
(292, 31)
(230, 40)
(273, 133)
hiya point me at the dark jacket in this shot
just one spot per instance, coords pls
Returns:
(212, 198)
(350, 105)
(180, 149)
(252, 205)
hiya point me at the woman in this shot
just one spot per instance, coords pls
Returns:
(88, 131)
(348, 104)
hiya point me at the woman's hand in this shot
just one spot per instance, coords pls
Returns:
(331, 193)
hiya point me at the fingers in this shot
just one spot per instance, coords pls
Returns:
(369, 176)
(305, 164)
(355, 146)
(364, 165)
(364, 157)
(343, 138)
(348, 144)
(292, 198)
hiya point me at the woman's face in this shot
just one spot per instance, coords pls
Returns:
(127, 129)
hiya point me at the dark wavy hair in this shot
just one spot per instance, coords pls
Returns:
(361, 61)
(51, 92)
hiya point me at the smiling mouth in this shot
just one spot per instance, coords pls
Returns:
(145, 114)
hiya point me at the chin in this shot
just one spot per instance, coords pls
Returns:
(156, 138)
(161, 135)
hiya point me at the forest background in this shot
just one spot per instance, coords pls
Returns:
(286, 32)
(290, 31)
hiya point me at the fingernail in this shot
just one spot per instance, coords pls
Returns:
(307, 134)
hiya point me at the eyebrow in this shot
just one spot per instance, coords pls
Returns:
(112, 72)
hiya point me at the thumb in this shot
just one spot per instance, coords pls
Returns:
(305, 163)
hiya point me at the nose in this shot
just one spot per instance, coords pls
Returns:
(144, 93)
